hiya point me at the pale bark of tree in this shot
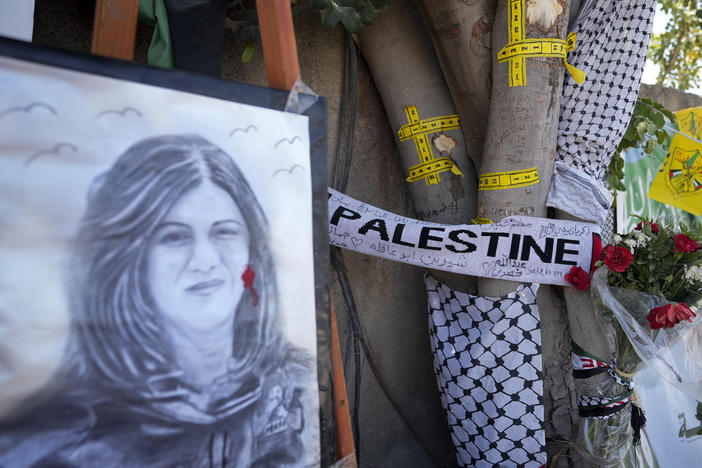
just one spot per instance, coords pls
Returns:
(521, 134)
(461, 34)
(518, 126)
(405, 70)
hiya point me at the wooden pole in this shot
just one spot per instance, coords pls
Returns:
(283, 69)
(114, 29)
(278, 40)
(344, 432)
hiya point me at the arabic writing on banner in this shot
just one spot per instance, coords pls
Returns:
(518, 248)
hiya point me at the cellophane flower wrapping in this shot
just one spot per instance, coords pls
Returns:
(652, 266)
(675, 353)
(604, 441)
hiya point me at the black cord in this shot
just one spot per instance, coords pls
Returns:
(341, 170)
(352, 318)
(353, 65)
(358, 328)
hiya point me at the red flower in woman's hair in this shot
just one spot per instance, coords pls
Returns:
(684, 244)
(248, 277)
(618, 258)
(655, 228)
(668, 315)
(578, 278)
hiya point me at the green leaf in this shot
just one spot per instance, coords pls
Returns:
(319, 4)
(661, 136)
(652, 127)
(630, 133)
(620, 165)
(651, 145)
(353, 14)
(658, 119)
(330, 16)
(350, 18)
(249, 50)
(368, 13)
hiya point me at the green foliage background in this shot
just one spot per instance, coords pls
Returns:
(677, 50)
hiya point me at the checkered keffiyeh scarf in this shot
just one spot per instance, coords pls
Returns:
(612, 41)
(487, 359)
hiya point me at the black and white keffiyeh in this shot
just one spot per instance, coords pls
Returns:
(612, 41)
(487, 359)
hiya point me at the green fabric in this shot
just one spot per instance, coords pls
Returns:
(581, 352)
(153, 13)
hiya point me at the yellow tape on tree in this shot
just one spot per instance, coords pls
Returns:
(518, 48)
(508, 179)
(417, 130)
(481, 221)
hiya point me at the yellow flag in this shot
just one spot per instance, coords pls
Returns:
(679, 180)
(690, 121)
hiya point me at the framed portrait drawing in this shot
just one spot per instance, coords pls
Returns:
(163, 287)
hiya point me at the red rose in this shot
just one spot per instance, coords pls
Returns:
(684, 244)
(596, 252)
(655, 228)
(668, 315)
(618, 258)
(578, 278)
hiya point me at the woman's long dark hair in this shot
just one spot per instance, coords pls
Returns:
(119, 342)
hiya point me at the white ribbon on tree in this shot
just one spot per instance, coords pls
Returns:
(518, 248)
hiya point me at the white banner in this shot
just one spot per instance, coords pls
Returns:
(518, 248)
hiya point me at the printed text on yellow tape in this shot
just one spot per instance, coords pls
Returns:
(519, 48)
(508, 179)
(418, 130)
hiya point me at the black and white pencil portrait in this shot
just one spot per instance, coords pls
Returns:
(156, 281)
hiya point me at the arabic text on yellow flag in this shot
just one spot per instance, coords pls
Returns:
(679, 180)
(690, 121)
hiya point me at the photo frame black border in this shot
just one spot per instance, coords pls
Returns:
(245, 94)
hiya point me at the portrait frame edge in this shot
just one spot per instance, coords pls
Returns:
(248, 94)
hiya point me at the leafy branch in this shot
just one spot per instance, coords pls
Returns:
(677, 49)
(353, 14)
(646, 130)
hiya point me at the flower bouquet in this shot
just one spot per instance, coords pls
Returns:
(646, 296)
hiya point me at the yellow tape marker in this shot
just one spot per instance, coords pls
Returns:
(481, 221)
(518, 48)
(508, 179)
(417, 130)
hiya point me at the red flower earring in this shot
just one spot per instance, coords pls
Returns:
(248, 277)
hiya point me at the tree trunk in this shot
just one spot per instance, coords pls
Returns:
(521, 134)
(461, 35)
(399, 52)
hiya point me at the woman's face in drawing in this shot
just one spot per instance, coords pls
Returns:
(196, 258)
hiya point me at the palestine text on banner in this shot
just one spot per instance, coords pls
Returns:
(518, 248)
(679, 180)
